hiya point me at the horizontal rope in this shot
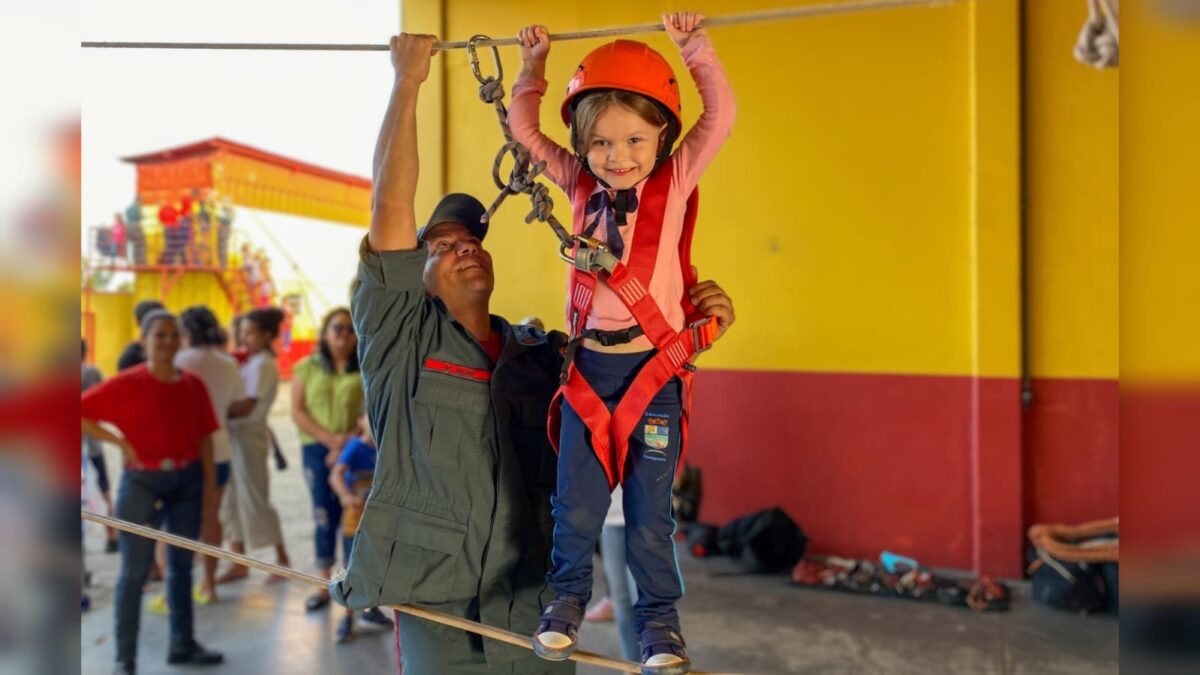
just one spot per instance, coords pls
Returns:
(492, 632)
(823, 9)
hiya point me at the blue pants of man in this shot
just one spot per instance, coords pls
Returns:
(581, 500)
(137, 497)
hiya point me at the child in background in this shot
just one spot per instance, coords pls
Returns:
(351, 481)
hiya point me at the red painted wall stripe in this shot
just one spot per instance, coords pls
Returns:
(871, 462)
(868, 462)
(1071, 443)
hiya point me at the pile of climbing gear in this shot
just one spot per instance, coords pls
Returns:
(1076, 567)
(895, 576)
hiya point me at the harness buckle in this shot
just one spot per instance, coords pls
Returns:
(698, 337)
(610, 338)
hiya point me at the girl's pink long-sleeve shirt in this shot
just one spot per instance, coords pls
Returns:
(689, 160)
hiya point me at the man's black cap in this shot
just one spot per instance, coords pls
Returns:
(457, 208)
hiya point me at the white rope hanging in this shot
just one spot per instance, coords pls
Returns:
(1099, 39)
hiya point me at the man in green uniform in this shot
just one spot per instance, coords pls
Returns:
(458, 518)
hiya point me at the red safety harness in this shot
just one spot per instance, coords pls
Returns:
(610, 430)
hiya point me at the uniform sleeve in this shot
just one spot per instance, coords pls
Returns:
(706, 137)
(524, 121)
(104, 402)
(390, 307)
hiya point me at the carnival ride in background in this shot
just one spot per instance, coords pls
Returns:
(177, 242)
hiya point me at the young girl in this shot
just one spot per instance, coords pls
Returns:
(251, 520)
(630, 192)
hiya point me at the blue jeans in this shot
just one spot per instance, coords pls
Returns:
(580, 502)
(622, 589)
(180, 493)
(327, 510)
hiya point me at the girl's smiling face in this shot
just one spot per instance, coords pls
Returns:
(623, 147)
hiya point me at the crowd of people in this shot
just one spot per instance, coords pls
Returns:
(195, 230)
(188, 409)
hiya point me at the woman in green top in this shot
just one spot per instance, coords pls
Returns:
(327, 399)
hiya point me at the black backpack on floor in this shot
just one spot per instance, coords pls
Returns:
(760, 543)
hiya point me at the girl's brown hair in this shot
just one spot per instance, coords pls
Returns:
(590, 107)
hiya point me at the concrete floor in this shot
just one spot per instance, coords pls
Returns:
(734, 624)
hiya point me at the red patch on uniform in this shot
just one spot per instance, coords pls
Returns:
(477, 374)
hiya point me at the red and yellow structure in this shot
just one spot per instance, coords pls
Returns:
(216, 270)
(916, 217)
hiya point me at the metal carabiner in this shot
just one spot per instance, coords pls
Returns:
(562, 253)
(582, 241)
(475, 61)
(593, 255)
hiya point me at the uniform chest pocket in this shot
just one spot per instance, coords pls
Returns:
(449, 414)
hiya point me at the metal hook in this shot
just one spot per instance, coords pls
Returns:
(475, 61)
(562, 253)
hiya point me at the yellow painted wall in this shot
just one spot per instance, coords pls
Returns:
(863, 216)
(114, 327)
(1071, 197)
(113, 312)
(185, 290)
(1160, 210)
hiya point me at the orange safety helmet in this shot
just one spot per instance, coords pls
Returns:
(630, 66)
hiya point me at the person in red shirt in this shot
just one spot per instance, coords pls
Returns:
(165, 423)
(176, 235)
